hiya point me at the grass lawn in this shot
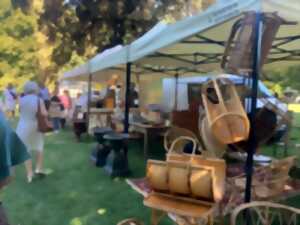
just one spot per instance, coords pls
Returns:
(77, 193)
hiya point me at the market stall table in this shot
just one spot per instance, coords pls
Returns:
(149, 131)
(99, 113)
(232, 197)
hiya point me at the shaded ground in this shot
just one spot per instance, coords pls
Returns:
(77, 193)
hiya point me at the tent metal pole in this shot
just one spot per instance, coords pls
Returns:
(89, 100)
(176, 91)
(127, 96)
(255, 78)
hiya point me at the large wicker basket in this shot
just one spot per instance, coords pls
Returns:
(226, 116)
(188, 175)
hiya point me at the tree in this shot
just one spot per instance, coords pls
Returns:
(61, 34)
(278, 81)
(90, 26)
(18, 62)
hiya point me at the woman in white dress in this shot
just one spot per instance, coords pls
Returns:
(27, 128)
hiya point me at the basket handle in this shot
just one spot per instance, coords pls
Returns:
(182, 138)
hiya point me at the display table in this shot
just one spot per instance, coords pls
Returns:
(149, 131)
(232, 198)
(100, 117)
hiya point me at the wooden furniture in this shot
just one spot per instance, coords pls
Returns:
(265, 213)
(238, 53)
(233, 197)
(226, 116)
(186, 119)
(117, 161)
(149, 131)
(99, 113)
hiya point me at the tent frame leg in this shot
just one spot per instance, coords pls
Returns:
(89, 102)
(127, 96)
(255, 78)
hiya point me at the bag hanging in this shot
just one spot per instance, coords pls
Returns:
(44, 125)
(226, 116)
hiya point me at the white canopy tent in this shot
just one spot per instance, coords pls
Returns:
(195, 42)
(198, 43)
(82, 72)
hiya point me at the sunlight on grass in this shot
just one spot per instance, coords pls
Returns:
(101, 211)
(48, 171)
(76, 221)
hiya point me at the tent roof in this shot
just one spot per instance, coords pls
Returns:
(197, 43)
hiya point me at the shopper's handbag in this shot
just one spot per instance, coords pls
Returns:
(44, 125)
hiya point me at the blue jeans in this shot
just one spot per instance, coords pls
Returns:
(56, 123)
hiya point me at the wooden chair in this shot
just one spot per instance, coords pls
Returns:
(238, 53)
(265, 213)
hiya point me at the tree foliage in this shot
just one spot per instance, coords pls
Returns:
(25, 52)
(278, 81)
(90, 26)
(18, 61)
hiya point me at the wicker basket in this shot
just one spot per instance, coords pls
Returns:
(226, 116)
(214, 148)
(188, 175)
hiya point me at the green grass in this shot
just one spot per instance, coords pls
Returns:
(77, 193)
